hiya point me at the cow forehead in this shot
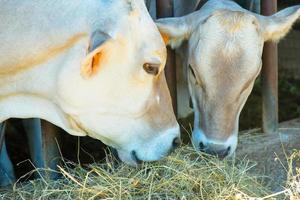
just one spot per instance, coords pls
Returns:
(227, 40)
(138, 16)
(118, 12)
(232, 21)
(227, 24)
(226, 51)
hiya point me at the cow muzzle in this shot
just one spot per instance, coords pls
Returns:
(216, 147)
(155, 150)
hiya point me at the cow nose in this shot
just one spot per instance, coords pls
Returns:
(176, 142)
(216, 150)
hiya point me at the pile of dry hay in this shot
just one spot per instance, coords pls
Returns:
(293, 182)
(183, 175)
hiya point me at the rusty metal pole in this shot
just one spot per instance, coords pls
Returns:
(165, 9)
(51, 154)
(269, 76)
(200, 4)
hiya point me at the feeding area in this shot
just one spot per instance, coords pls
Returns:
(154, 99)
(185, 174)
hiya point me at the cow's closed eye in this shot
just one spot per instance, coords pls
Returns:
(151, 68)
(193, 74)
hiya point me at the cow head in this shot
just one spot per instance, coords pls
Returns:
(120, 95)
(224, 58)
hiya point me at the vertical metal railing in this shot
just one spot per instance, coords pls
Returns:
(269, 76)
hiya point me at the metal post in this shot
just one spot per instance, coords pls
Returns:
(269, 76)
(165, 9)
(50, 147)
(200, 4)
(2, 134)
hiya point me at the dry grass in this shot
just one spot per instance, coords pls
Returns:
(293, 182)
(183, 175)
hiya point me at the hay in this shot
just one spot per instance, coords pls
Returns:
(185, 174)
(293, 182)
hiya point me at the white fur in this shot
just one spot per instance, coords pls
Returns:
(114, 103)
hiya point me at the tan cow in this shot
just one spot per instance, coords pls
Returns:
(223, 58)
(91, 67)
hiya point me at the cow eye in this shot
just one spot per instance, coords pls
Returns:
(151, 68)
(193, 73)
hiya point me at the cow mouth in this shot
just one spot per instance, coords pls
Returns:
(133, 155)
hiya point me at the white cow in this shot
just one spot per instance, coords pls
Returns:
(224, 44)
(91, 67)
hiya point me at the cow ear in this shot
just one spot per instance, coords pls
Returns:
(96, 54)
(278, 25)
(173, 30)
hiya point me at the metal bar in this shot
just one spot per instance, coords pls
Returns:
(200, 4)
(33, 130)
(269, 77)
(7, 174)
(165, 9)
(50, 147)
(2, 134)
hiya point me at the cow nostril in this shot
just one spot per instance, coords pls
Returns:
(224, 153)
(228, 149)
(219, 153)
(135, 157)
(176, 142)
(201, 146)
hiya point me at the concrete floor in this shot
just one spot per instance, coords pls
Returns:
(271, 152)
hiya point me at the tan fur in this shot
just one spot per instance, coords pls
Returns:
(166, 118)
(276, 36)
(279, 26)
(31, 62)
(231, 21)
(224, 47)
(166, 38)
